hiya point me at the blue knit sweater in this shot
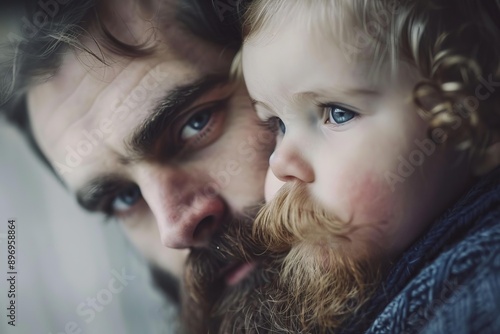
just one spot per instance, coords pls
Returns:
(449, 280)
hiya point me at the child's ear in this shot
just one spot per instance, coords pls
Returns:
(490, 159)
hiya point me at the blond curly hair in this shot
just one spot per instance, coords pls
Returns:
(454, 45)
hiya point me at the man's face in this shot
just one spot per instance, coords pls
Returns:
(163, 143)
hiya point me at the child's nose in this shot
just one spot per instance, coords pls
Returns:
(288, 163)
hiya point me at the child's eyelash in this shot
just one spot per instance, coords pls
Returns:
(269, 124)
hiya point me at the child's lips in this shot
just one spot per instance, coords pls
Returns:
(236, 272)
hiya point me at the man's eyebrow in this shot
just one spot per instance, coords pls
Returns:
(166, 111)
(91, 196)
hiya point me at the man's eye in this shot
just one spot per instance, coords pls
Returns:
(339, 115)
(125, 199)
(196, 124)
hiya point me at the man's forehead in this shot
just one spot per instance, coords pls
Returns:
(81, 94)
(88, 98)
(85, 85)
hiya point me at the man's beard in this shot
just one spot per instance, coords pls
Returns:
(310, 277)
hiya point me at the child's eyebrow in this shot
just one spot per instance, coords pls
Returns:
(345, 91)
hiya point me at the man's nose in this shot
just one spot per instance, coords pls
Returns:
(186, 215)
(289, 162)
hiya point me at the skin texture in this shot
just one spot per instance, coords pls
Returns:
(194, 179)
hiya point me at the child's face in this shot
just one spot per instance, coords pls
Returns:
(359, 145)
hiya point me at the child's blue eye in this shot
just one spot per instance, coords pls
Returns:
(339, 115)
(281, 126)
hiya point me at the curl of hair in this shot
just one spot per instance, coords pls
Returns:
(456, 49)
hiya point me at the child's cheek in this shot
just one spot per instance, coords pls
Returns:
(371, 200)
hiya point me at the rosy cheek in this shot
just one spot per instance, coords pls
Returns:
(370, 199)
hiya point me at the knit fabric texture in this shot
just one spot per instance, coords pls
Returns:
(448, 281)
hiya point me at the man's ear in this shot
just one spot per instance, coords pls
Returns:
(490, 158)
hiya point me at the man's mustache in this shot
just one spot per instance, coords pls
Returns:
(293, 217)
(205, 292)
(231, 244)
(270, 229)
